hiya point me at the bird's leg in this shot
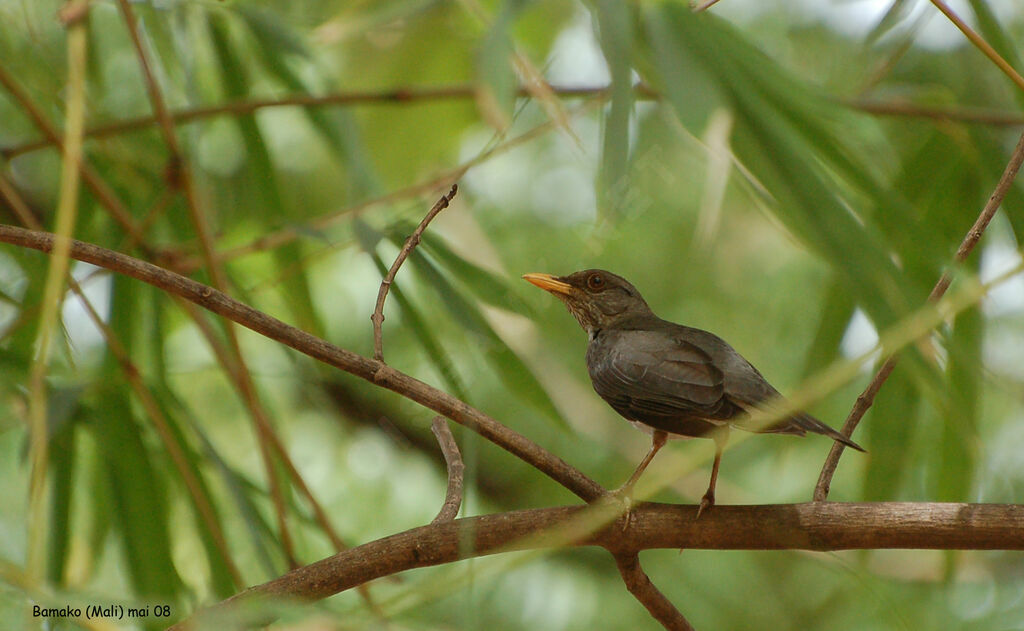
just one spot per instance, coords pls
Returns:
(721, 437)
(658, 439)
(625, 492)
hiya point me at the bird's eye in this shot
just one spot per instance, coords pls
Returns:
(595, 282)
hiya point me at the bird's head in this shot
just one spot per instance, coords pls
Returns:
(596, 298)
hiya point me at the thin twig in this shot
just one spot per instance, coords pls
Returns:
(807, 526)
(156, 99)
(264, 430)
(983, 116)
(54, 287)
(704, 6)
(338, 99)
(236, 368)
(144, 394)
(160, 111)
(980, 43)
(322, 222)
(970, 240)
(410, 244)
(106, 195)
(430, 94)
(640, 585)
(363, 367)
(453, 462)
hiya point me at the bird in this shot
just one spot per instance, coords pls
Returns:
(667, 379)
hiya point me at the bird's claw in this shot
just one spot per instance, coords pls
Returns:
(706, 502)
(623, 496)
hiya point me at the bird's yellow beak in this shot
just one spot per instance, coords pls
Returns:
(548, 282)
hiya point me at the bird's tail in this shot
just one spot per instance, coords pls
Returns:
(811, 424)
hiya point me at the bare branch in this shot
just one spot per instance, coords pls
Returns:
(970, 240)
(430, 93)
(321, 350)
(410, 244)
(704, 6)
(980, 43)
(453, 460)
(640, 585)
(808, 526)
(898, 107)
(90, 176)
(338, 99)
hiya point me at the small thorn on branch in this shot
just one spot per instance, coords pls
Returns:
(453, 460)
(385, 285)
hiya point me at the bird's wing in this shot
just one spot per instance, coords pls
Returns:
(645, 375)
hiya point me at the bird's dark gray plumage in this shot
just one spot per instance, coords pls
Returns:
(670, 379)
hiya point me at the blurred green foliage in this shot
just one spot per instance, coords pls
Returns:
(744, 190)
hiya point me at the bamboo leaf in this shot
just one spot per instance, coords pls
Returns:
(891, 424)
(489, 287)
(509, 367)
(63, 412)
(1005, 44)
(139, 510)
(615, 22)
(898, 11)
(836, 311)
(783, 137)
(496, 80)
(956, 459)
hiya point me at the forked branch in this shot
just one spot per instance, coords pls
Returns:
(385, 285)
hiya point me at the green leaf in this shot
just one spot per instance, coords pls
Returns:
(335, 126)
(615, 22)
(63, 411)
(898, 11)
(262, 534)
(506, 363)
(785, 135)
(277, 40)
(956, 458)
(1005, 44)
(775, 150)
(133, 471)
(891, 425)
(489, 287)
(496, 79)
(836, 312)
(221, 578)
(139, 510)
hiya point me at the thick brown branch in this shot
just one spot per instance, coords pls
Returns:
(640, 585)
(321, 350)
(809, 526)
(970, 240)
(410, 244)
(453, 460)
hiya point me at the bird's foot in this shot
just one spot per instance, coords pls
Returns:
(623, 497)
(706, 502)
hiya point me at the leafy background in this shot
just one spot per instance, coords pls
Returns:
(780, 178)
